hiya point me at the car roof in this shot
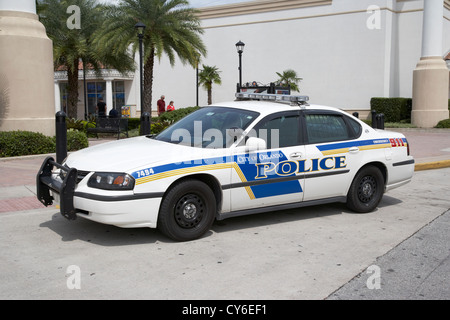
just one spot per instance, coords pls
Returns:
(269, 107)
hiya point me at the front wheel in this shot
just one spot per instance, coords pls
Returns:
(187, 211)
(366, 190)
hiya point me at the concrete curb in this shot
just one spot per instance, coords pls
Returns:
(432, 165)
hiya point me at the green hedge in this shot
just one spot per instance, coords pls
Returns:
(76, 140)
(174, 116)
(444, 124)
(23, 143)
(394, 109)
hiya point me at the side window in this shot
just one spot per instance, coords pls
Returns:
(326, 128)
(357, 129)
(279, 132)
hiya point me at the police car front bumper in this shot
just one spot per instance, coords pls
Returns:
(126, 211)
(46, 184)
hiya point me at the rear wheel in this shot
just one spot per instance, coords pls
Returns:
(187, 211)
(366, 190)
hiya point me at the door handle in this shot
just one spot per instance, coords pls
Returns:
(353, 150)
(296, 155)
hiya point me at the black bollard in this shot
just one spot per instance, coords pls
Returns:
(145, 124)
(61, 136)
(374, 119)
(380, 121)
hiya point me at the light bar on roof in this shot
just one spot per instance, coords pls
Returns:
(272, 97)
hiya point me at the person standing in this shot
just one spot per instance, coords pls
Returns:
(170, 107)
(161, 105)
(101, 108)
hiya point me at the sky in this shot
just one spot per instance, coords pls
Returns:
(196, 3)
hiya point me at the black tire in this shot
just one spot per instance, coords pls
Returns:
(187, 211)
(366, 190)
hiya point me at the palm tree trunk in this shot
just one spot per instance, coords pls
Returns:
(210, 95)
(148, 82)
(72, 94)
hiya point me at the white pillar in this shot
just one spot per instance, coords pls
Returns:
(432, 28)
(431, 76)
(18, 5)
(57, 97)
(109, 95)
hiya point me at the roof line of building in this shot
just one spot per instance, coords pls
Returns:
(259, 6)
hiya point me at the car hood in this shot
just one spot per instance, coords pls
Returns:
(129, 154)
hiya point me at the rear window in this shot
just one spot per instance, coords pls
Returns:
(327, 128)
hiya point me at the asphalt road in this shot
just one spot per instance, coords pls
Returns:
(310, 253)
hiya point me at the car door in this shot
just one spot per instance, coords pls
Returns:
(269, 177)
(332, 153)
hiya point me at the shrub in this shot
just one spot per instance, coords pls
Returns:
(76, 140)
(394, 109)
(21, 143)
(75, 124)
(444, 124)
(133, 123)
(157, 127)
(174, 116)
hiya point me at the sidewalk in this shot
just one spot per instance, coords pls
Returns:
(430, 148)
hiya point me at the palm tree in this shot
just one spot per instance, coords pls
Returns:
(71, 45)
(289, 78)
(172, 28)
(207, 77)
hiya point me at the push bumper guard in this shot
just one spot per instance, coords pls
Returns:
(45, 182)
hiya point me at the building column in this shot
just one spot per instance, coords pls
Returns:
(57, 97)
(109, 95)
(431, 76)
(27, 97)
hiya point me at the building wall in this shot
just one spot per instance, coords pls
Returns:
(343, 63)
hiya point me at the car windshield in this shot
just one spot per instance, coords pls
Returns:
(209, 127)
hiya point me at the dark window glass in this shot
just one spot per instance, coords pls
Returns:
(208, 127)
(326, 128)
(357, 129)
(280, 132)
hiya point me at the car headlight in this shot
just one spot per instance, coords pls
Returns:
(111, 181)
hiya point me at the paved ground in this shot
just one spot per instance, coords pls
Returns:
(310, 253)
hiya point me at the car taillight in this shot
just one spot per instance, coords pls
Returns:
(407, 147)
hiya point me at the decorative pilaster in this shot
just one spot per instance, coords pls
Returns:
(431, 76)
(26, 70)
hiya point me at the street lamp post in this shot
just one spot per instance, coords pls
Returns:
(240, 49)
(140, 27)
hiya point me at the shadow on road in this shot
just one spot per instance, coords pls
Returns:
(107, 235)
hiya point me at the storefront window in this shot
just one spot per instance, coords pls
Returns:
(95, 91)
(118, 95)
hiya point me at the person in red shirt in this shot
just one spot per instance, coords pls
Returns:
(170, 107)
(161, 105)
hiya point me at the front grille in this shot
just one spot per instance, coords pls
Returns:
(81, 175)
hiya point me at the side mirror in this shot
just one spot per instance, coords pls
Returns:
(255, 144)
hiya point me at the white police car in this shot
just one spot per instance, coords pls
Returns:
(257, 154)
